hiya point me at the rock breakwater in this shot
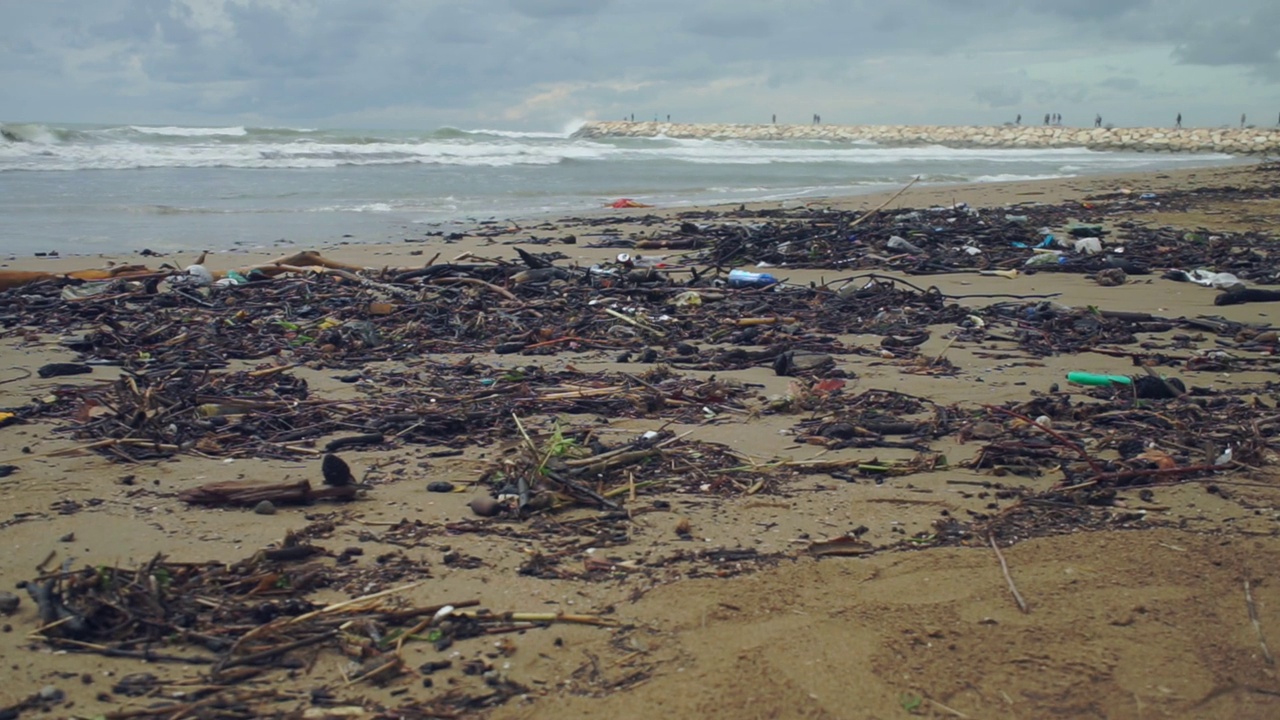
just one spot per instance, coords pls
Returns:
(1235, 141)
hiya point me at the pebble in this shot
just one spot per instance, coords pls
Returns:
(266, 507)
(9, 602)
(484, 506)
(440, 486)
(49, 693)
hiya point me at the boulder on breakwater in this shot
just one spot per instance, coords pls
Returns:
(1234, 141)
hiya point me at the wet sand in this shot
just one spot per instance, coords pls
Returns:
(1122, 623)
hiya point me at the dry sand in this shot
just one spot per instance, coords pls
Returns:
(1123, 624)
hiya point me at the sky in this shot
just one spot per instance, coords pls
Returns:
(545, 64)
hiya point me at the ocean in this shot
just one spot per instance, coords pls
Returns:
(84, 189)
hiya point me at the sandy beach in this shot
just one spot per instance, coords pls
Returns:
(776, 550)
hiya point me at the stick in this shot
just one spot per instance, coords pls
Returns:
(478, 283)
(1257, 626)
(1022, 604)
(884, 204)
(1093, 464)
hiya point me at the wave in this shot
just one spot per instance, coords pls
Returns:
(1013, 177)
(40, 147)
(521, 135)
(38, 133)
(173, 131)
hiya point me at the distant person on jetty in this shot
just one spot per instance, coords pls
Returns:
(1241, 119)
(1097, 120)
(1178, 124)
(1018, 120)
(1046, 118)
(775, 118)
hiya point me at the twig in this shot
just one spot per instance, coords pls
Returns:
(953, 711)
(883, 205)
(478, 283)
(1257, 626)
(1022, 604)
(16, 379)
(1143, 472)
(229, 662)
(1093, 464)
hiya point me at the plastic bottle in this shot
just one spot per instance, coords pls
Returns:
(1096, 380)
(901, 243)
(198, 275)
(642, 261)
(1045, 258)
(747, 279)
(1088, 246)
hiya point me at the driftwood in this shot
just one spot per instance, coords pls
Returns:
(307, 259)
(239, 493)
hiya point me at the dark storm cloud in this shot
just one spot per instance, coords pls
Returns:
(1249, 39)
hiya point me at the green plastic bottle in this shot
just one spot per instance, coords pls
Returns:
(1084, 378)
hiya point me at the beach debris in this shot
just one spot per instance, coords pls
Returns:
(627, 203)
(485, 506)
(336, 471)
(247, 493)
(248, 619)
(1111, 277)
(63, 368)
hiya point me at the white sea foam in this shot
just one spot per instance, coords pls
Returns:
(174, 131)
(1012, 177)
(138, 146)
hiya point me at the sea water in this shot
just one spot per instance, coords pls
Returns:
(110, 188)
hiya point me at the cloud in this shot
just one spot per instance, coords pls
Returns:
(537, 62)
(1249, 40)
(557, 8)
(998, 96)
(1123, 84)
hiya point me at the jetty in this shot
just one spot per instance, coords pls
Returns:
(1234, 141)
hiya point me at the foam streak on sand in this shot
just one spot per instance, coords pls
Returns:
(1235, 141)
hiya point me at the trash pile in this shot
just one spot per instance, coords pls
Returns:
(248, 621)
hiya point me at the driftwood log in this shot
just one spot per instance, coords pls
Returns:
(240, 493)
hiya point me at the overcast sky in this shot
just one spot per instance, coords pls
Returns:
(541, 64)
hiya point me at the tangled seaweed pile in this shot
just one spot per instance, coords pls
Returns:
(252, 619)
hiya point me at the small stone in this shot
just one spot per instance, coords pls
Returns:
(266, 507)
(440, 486)
(485, 506)
(986, 430)
(69, 537)
(9, 602)
(49, 693)
(1111, 277)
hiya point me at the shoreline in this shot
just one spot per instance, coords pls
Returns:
(976, 194)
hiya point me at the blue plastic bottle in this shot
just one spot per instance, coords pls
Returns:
(746, 279)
